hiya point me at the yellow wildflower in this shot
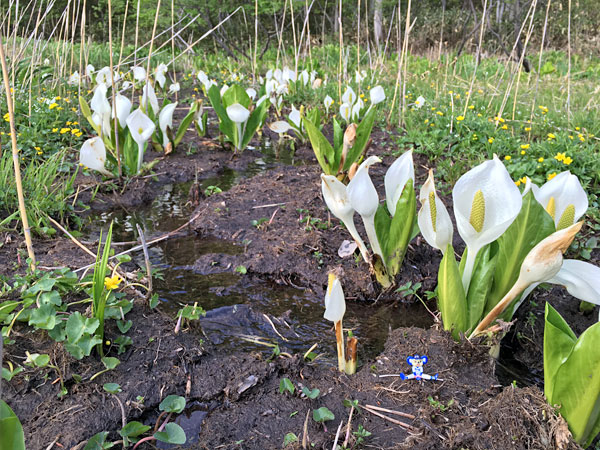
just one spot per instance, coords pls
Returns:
(460, 118)
(7, 117)
(478, 114)
(68, 123)
(52, 105)
(523, 180)
(577, 128)
(551, 136)
(112, 283)
(540, 159)
(524, 146)
(491, 140)
(74, 131)
(568, 160)
(551, 175)
(439, 113)
(507, 157)
(471, 106)
(64, 130)
(504, 127)
(559, 156)
(54, 130)
(523, 152)
(528, 129)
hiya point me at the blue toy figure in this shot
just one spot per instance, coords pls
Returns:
(417, 363)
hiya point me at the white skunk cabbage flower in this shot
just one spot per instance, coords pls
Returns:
(377, 95)
(335, 302)
(174, 87)
(542, 263)
(148, 95)
(203, 78)
(269, 74)
(345, 111)
(141, 128)
(251, 93)
(280, 127)
(103, 75)
(89, 71)
(364, 199)
(99, 102)
(74, 78)
(122, 109)
(139, 73)
(419, 102)
(126, 85)
(563, 198)
(261, 100)
(395, 179)
(349, 96)
(295, 117)
(270, 87)
(336, 198)
(223, 90)
(305, 77)
(356, 110)
(434, 221)
(581, 279)
(486, 201)
(328, 101)
(277, 75)
(165, 120)
(239, 115)
(159, 74)
(360, 76)
(93, 155)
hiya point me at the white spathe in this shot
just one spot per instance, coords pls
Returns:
(165, 120)
(280, 127)
(560, 193)
(295, 117)
(335, 303)
(122, 109)
(364, 199)
(139, 73)
(160, 74)
(148, 95)
(581, 279)
(141, 129)
(345, 111)
(433, 218)
(336, 198)
(356, 110)
(93, 155)
(99, 102)
(174, 88)
(328, 101)
(377, 95)
(349, 96)
(487, 197)
(251, 93)
(420, 101)
(395, 179)
(238, 113)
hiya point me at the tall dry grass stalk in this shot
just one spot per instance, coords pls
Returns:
(537, 78)
(15, 157)
(255, 40)
(569, 66)
(114, 88)
(397, 83)
(341, 49)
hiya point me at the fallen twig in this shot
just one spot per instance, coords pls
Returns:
(146, 259)
(397, 422)
(391, 411)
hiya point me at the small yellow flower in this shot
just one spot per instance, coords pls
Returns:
(568, 160)
(7, 117)
(540, 159)
(523, 180)
(74, 109)
(571, 136)
(64, 130)
(79, 134)
(507, 157)
(460, 118)
(450, 92)
(457, 96)
(504, 127)
(74, 131)
(432, 124)
(37, 149)
(577, 128)
(471, 106)
(523, 152)
(52, 105)
(524, 146)
(491, 140)
(362, 95)
(68, 123)
(75, 123)
(551, 136)
(426, 121)
(559, 156)
(112, 283)
(56, 98)
(439, 113)
(528, 129)
(581, 138)
(551, 175)
(543, 109)
(480, 91)
(479, 115)
(518, 182)
(55, 130)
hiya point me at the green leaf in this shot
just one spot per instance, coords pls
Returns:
(236, 94)
(98, 442)
(172, 404)
(363, 132)
(112, 388)
(11, 431)
(451, 295)
(173, 434)
(78, 326)
(45, 284)
(226, 126)
(289, 438)
(322, 414)
(531, 226)
(395, 242)
(576, 386)
(311, 393)
(185, 123)
(480, 285)
(255, 121)
(6, 308)
(87, 113)
(37, 360)
(43, 317)
(124, 326)
(322, 148)
(133, 429)
(559, 341)
(110, 363)
(286, 385)
(52, 297)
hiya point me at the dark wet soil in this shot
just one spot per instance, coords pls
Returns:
(233, 396)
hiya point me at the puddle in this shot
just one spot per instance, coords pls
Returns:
(191, 421)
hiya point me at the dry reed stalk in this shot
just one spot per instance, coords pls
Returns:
(15, 157)
(255, 41)
(569, 67)
(537, 80)
(280, 39)
(477, 57)
(341, 44)
(114, 88)
(407, 28)
(397, 84)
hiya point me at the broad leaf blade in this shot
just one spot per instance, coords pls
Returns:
(363, 132)
(255, 121)
(236, 94)
(226, 126)
(11, 431)
(577, 387)
(185, 123)
(451, 295)
(322, 148)
(531, 226)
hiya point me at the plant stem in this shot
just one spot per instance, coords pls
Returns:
(339, 337)
(369, 223)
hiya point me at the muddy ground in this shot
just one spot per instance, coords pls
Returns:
(233, 399)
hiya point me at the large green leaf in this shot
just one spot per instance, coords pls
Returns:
(576, 386)
(480, 284)
(322, 148)
(11, 431)
(363, 132)
(255, 121)
(185, 123)
(172, 434)
(451, 295)
(226, 126)
(394, 233)
(87, 113)
(559, 341)
(532, 225)
(236, 94)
